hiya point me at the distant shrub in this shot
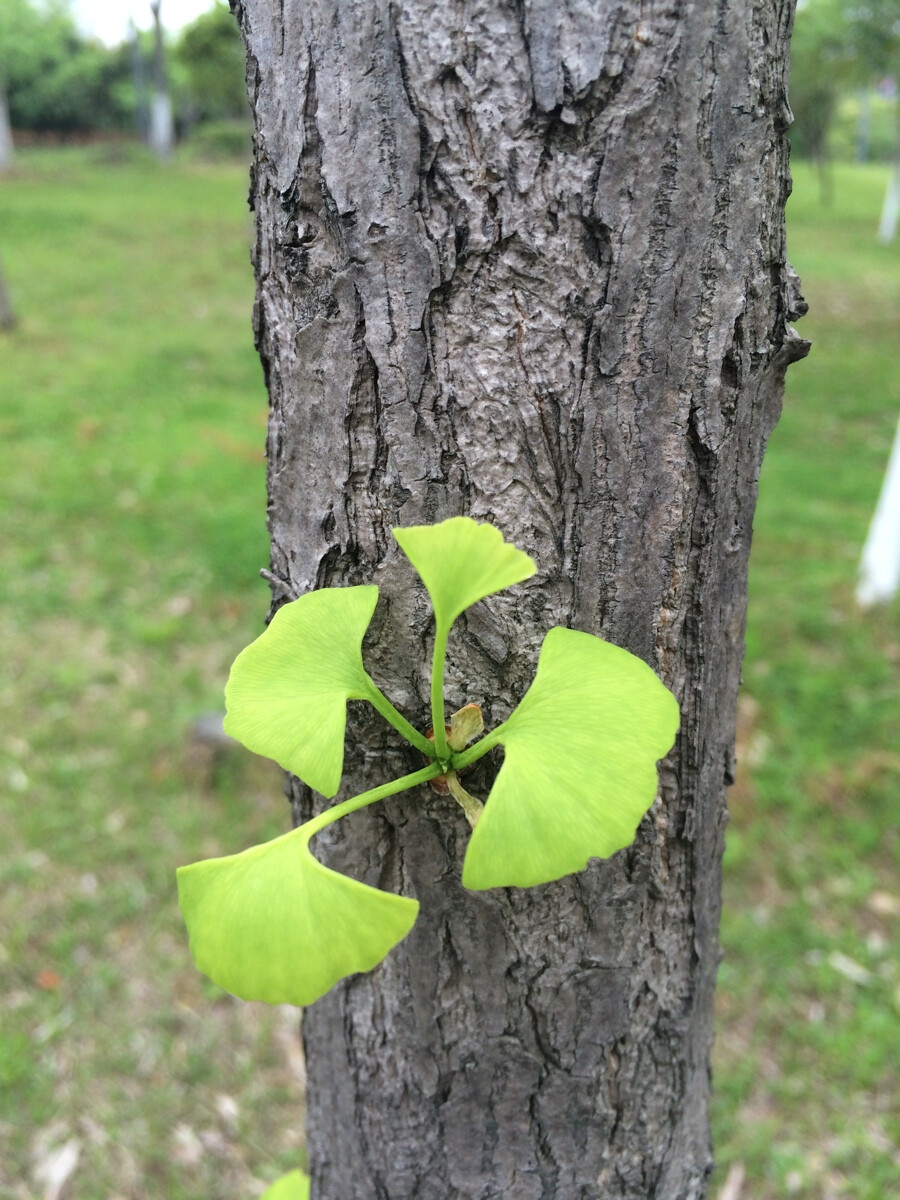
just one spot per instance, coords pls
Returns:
(215, 141)
(209, 62)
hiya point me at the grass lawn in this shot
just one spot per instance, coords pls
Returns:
(808, 1035)
(132, 414)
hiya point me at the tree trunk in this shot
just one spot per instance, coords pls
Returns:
(7, 312)
(524, 261)
(162, 129)
(7, 153)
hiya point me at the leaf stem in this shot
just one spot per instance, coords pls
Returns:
(437, 691)
(466, 757)
(370, 797)
(470, 805)
(379, 700)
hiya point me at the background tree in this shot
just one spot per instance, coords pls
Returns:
(162, 127)
(525, 263)
(56, 79)
(7, 313)
(838, 46)
(6, 139)
(211, 61)
(60, 82)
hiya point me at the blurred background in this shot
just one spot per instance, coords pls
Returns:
(132, 415)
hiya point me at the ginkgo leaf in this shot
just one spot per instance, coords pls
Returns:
(273, 924)
(286, 696)
(293, 1186)
(460, 562)
(579, 769)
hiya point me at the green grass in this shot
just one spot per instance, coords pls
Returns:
(806, 1057)
(132, 417)
(132, 414)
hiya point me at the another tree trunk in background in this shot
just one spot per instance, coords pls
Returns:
(7, 151)
(162, 129)
(7, 312)
(524, 261)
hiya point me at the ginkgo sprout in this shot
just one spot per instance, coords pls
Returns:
(578, 774)
(293, 1186)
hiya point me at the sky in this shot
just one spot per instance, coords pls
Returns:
(108, 19)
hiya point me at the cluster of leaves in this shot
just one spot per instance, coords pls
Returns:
(579, 771)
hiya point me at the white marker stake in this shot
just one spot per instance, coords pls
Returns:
(879, 573)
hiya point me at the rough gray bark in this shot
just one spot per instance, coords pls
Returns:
(525, 261)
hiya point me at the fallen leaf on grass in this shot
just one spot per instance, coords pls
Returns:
(187, 1149)
(734, 1183)
(227, 1108)
(884, 904)
(55, 1167)
(849, 968)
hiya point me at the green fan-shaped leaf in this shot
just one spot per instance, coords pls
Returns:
(286, 696)
(461, 562)
(579, 769)
(273, 924)
(293, 1186)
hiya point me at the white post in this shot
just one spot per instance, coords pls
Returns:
(6, 140)
(7, 316)
(879, 572)
(162, 129)
(890, 210)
